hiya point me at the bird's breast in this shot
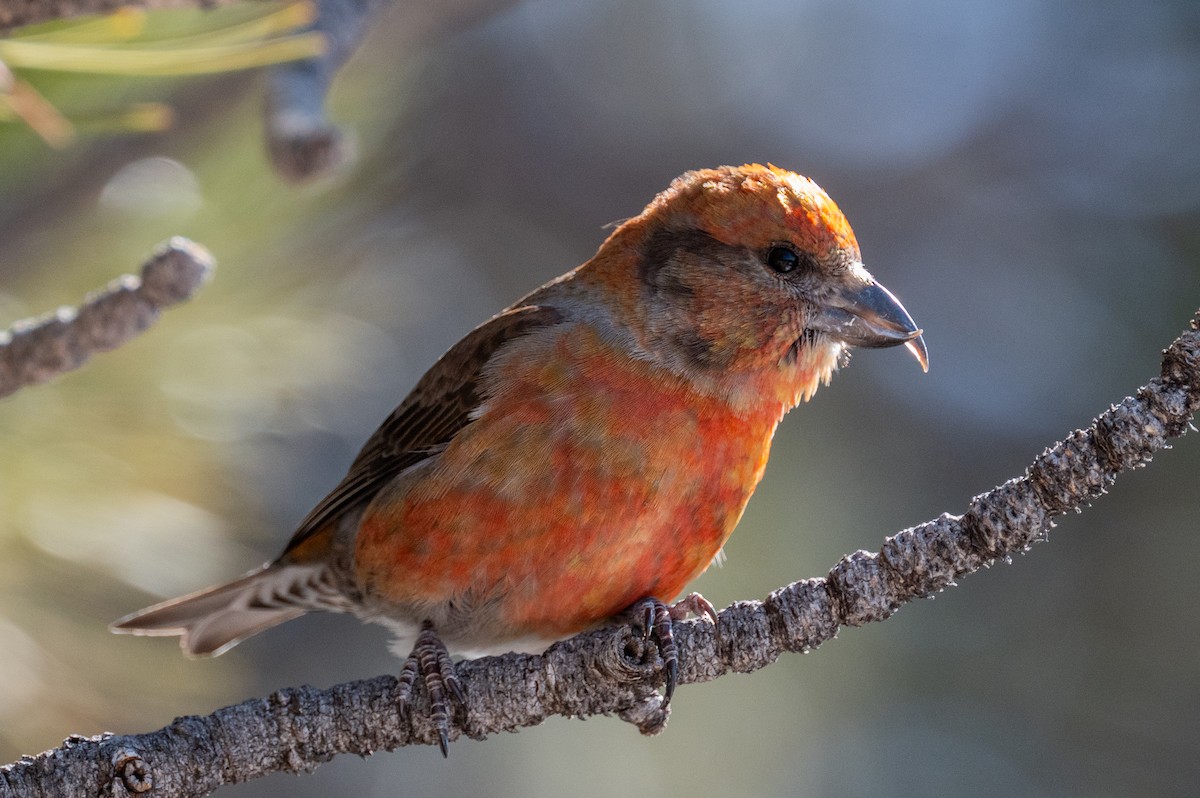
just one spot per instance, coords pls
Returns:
(589, 479)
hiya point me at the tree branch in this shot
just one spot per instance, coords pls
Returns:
(301, 141)
(609, 671)
(36, 350)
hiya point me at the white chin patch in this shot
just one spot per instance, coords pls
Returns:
(815, 366)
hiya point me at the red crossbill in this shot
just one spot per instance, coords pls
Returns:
(586, 451)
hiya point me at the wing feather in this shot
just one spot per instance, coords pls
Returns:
(429, 417)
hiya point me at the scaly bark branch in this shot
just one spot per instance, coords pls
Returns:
(609, 671)
(36, 350)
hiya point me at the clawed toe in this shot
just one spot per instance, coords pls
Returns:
(431, 662)
(655, 620)
(694, 604)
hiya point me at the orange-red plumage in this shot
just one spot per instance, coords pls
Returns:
(592, 446)
(562, 530)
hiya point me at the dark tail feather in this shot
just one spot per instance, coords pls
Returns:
(212, 621)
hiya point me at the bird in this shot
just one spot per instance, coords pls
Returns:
(583, 455)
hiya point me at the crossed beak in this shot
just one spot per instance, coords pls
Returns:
(870, 316)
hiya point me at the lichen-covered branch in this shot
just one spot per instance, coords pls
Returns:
(36, 350)
(611, 671)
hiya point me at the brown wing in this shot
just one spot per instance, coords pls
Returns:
(438, 407)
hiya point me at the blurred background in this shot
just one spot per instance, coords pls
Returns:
(1025, 176)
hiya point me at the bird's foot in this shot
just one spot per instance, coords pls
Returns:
(693, 604)
(431, 662)
(655, 619)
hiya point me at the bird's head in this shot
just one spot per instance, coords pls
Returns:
(754, 269)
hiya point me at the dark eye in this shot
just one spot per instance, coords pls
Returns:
(783, 259)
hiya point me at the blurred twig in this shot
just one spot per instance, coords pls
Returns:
(300, 139)
(18, 13)
(36, 350)
(302, 142)
(607, 671)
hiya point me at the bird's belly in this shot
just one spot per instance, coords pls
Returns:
(545, 517)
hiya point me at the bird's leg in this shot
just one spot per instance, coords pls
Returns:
(431, 661)
(654, 617)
